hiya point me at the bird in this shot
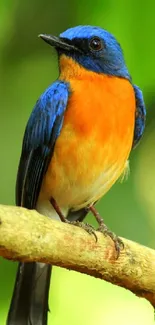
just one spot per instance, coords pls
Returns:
(76, 145)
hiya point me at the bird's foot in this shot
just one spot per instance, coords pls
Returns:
(90, 229)
(107, 232)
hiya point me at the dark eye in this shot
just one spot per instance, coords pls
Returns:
(96, 44)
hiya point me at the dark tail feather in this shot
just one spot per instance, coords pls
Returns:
(29, 305)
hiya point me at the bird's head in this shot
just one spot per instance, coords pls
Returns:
(93, 48)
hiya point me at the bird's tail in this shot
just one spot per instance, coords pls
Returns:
(29, 305)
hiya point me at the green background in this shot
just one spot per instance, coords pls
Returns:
(27, 67)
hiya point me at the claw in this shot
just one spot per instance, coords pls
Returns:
(117, 241)
(104, 229)
(90, 229)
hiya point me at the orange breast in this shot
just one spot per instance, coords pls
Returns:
(95, 141)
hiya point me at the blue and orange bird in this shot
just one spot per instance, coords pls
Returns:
(76, 145)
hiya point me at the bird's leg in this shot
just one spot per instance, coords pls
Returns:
(104, 229)
(58, 210)
(90, 229)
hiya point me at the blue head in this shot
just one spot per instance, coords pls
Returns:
(93, 48)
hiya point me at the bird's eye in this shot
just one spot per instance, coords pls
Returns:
(96, 44)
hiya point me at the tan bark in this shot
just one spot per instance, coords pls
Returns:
(25, 235)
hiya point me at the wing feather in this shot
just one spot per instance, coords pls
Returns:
(41, 132)
(140, 116)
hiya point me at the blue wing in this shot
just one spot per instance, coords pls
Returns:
(140, 116)
(41, 132)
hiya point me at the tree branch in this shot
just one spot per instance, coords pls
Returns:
(27, 236)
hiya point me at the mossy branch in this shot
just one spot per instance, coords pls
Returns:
(27, 236)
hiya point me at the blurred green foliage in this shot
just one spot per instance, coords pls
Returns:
(27, 67)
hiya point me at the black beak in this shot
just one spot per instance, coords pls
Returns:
(58, 43)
